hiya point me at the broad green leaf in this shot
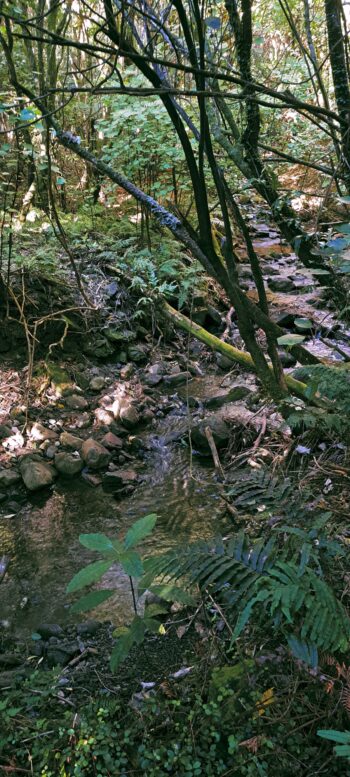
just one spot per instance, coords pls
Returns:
(152, 625)
(121, 650)
(345, 267)
(92, 600)
(335, 736)
(131, 563)
(139, 530)
(172, 593)
(60, 180)
(303, 323)
(290, 339)
(88, 575)
(152, 610)
(96, 542)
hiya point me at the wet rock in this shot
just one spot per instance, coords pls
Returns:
(137, 353)
(115, 481)
(8, 477)
(88, 628)
(220, 431)
(91, 479)
(36, 474)
(111, 441)
(95, 455)
(60, 655)
(177, 378)
(47, 630)
(223, 361)
(153, 379)
(129, 416)
(279, 283)
(97, 383)
(68, 464)
(126, 371)
(71, 441)
(233, 395)
(76, 402)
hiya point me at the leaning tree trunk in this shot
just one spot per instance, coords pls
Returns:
(340, 77)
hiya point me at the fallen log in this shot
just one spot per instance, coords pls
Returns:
(295, 386)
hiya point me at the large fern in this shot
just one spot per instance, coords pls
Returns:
(248, 579)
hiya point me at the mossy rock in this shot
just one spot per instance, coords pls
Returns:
(59, 378)
(120, 336)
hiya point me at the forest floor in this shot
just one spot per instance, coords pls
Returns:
(113, 426)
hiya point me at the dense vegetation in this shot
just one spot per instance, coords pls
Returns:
(145, 145)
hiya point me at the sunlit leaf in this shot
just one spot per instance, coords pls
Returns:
(139, 530)
(91, 600)
(88, 575)
(97, 542)
(290, 339)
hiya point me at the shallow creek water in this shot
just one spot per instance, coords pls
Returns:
(42, 540)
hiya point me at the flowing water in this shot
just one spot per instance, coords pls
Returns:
(42, 540)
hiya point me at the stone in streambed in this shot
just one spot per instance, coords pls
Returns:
(48, 630)
(36, 473)
(177, 378)
(115, 481)
(220, 431)
(76, 402)
(233, 395)
(61, 654)
(97, 383)
(95, 455)
(129, 416)
(111, 441)
(8, 477)
(71, 441)
(68, 464)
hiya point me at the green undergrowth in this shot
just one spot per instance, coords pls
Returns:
(244, 718)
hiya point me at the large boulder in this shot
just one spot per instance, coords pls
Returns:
(36, 473)
(219, 429)
(95, 455)
(68, 464)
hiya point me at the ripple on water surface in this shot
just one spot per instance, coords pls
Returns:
(43, 540)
